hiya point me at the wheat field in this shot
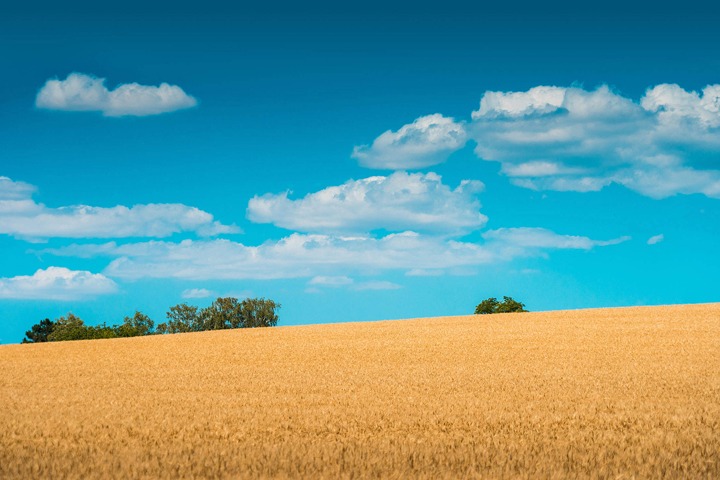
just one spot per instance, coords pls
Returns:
(602, 393)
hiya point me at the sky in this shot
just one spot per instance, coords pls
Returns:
(355, 161)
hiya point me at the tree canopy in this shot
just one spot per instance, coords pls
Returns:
(228, 312)
(223, 313)
(135, 326)
(70, 327)
(492, 305)
(181, 318)
(259, 312)
(39, 332)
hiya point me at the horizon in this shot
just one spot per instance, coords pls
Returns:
(355, 162)
(381, 320)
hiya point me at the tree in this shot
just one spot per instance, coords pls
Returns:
(508, 305)
(182, 318)
(68, 328)
(100, 331)
(39, 332)
(135, 326)
(491, 305)
(258, 312)
(224, 312)
(228, 312)
(487, 306)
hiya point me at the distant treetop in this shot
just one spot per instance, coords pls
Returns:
(491, 305)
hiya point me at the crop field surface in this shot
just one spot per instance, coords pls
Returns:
(602, 393)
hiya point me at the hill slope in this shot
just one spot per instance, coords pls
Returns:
(601, 392)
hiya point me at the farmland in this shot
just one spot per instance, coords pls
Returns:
(630, 392)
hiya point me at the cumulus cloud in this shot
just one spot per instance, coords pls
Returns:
(22, 217)
(427, 141)
(329, 259)
(399, 202)
(655, 239)
(674, 105)
(538, 100)
(81, 92)
(572, 139)
(56, 283)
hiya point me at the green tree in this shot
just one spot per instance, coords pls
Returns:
(259, 312)
(66, 328)
(182, 318)
(39, 332)
(487, 306)
(228, 312)
(101, 331)
(224, 312)
(135, 326)
(508, 305)
(491, 305)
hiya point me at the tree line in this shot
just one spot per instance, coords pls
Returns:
(223, 313)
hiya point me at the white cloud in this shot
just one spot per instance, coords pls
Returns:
(420, 272)
(525, 237)
(344, 281)
(331, 281)
(427, 141)
(329, 259)
(316, 284)
(399, 202)
(377, 285)
(295, 256)
(571, 139)
(81, 92)
(655, 239)
(564, 184)
(538, 100)
(22, 217)
(197, 293)
(56, 283)
(538, 169)
(14, 191)
(664, 182)
(674, 105)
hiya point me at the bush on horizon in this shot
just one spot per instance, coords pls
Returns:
(492, 305)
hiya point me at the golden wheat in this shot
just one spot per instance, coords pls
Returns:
(621, 393)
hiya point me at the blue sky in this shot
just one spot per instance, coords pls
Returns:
(360, 161)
